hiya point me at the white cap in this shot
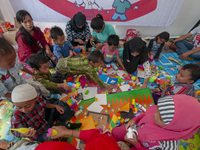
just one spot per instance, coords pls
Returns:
(23, 93)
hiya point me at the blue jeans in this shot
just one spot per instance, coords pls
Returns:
(184, 46)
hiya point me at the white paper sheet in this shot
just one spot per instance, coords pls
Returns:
(121, 72)
(101, 99)
(95, 107)
(125, 87)
(91, 94)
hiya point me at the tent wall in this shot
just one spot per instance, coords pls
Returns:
(187, 17)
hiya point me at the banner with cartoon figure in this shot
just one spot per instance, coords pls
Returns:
(119, 12)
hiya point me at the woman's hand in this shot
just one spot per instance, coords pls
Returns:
(62, 131)
(59, 109)
(129, 124)
(131, 141)
(79, 41)
(30, 133)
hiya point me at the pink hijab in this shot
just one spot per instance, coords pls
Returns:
(184, 123)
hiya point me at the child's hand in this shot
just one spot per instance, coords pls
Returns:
(103, 65)
(131, 141)
(128, 60)
(36, 76)
(59, 109)
(70, 53)
(108, 89)
(30, 133)
(129, 124)
(81, 47)
(99, 46)
(66, 86)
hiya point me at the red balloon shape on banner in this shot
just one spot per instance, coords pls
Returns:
(68, 9)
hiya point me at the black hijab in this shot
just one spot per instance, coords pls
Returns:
(78, 20)
(134, 45)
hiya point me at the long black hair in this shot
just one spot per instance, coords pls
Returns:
(97, 22)
(20, 16)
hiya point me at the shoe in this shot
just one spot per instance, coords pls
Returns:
(70, 125)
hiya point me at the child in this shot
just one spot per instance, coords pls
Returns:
(110, 50)
(40, 65)
(31, 113)
(135, 53)
(62, 48)
(9, 70)
(83, 65)
(155, 45)
(29, 38)
(162, 126)
(184, 80)
(101, 32)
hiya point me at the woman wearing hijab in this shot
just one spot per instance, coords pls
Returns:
(77, 30)
(135, 53)
(163, 125)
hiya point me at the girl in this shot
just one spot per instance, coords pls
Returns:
(135, 53)
(78, 31)
(101, 32)
(164, 124)
(29, 38)
(155, 45)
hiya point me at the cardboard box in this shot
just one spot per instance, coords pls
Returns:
(10, 36)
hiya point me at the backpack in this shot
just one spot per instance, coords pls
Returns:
(131, 33)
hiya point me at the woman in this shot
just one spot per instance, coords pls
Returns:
(78, 31)
(30, 39)
(135, 53)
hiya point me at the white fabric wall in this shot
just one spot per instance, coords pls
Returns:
(187, 17)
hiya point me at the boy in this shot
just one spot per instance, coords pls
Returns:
(83, 65)
(184, 80)
(40, 65)
(9, 70)
(62, 48)
(31, 113)
(110, 50)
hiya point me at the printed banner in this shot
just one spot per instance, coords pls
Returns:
(118, 12)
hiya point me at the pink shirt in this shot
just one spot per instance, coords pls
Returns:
(24, 50)
(109, 56)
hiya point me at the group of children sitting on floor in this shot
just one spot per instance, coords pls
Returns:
(160, 127)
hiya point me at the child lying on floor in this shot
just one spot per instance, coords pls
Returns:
(83, 65)
(184, 80)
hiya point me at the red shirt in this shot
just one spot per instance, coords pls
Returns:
(24, 50)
